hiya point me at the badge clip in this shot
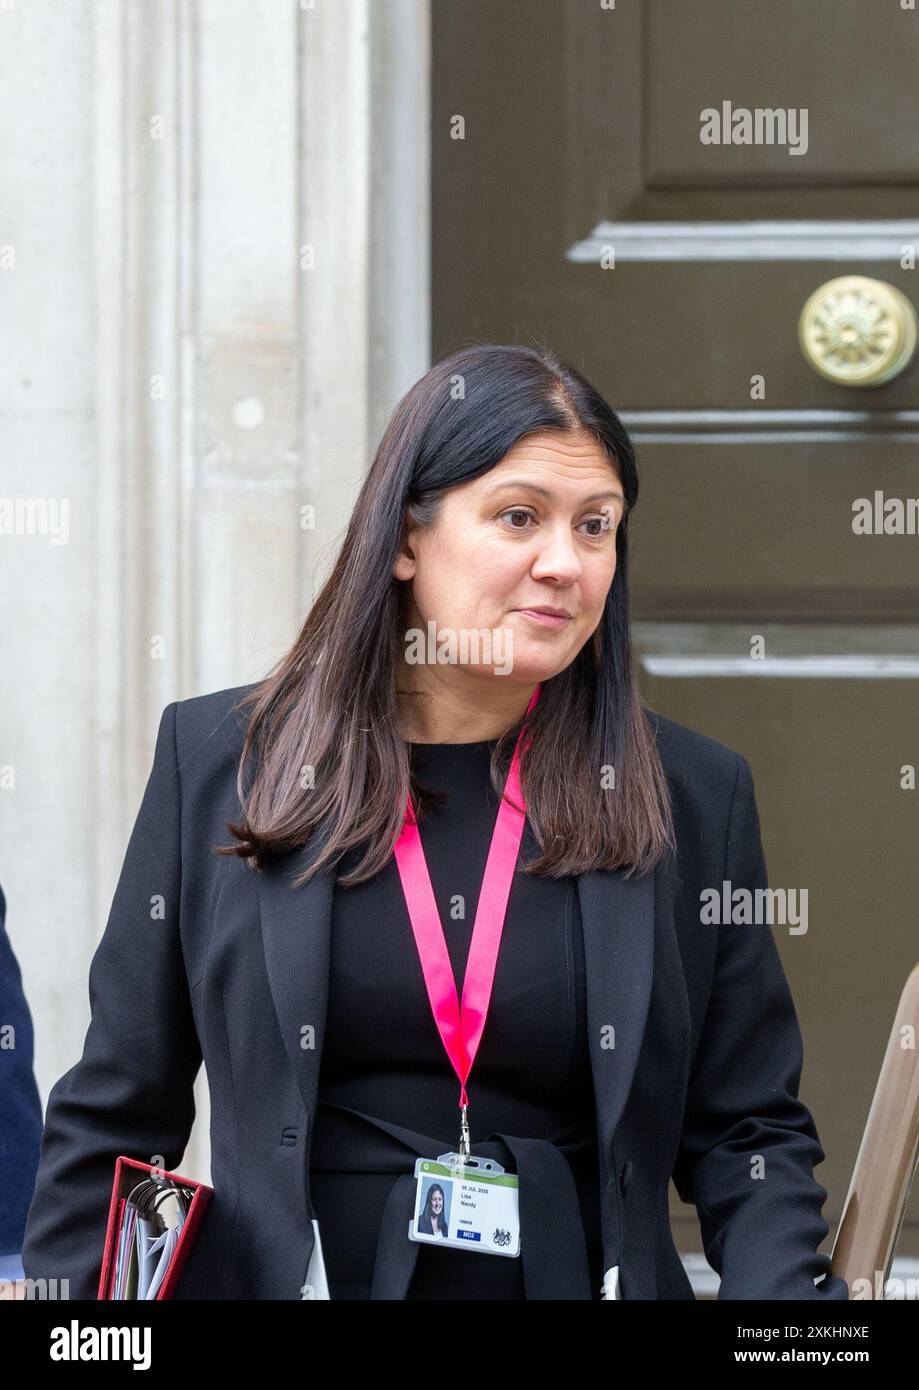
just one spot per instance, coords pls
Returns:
(469, 1161)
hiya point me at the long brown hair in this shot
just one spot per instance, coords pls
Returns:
(324, 728)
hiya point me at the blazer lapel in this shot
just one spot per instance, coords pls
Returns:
(296, 934)
(617, 921)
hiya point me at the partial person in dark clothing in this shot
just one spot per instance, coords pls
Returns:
(20, 1108)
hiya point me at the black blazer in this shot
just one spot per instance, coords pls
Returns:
(205, 958)
(425, 1225)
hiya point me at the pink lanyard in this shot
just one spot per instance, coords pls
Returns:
(461, 1028)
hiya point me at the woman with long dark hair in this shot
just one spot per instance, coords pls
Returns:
(432, 1219)
(463, 851)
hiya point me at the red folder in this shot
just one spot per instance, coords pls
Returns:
(128, 1172)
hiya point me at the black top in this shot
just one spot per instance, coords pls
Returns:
(383, 1058)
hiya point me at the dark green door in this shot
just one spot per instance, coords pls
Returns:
(656, 190)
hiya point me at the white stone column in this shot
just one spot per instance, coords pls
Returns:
(232, 245)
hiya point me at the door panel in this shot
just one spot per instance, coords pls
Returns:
(581, 208)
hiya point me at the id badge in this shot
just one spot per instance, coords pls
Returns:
(466, 1204)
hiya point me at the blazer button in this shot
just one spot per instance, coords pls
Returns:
(625, 1176)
